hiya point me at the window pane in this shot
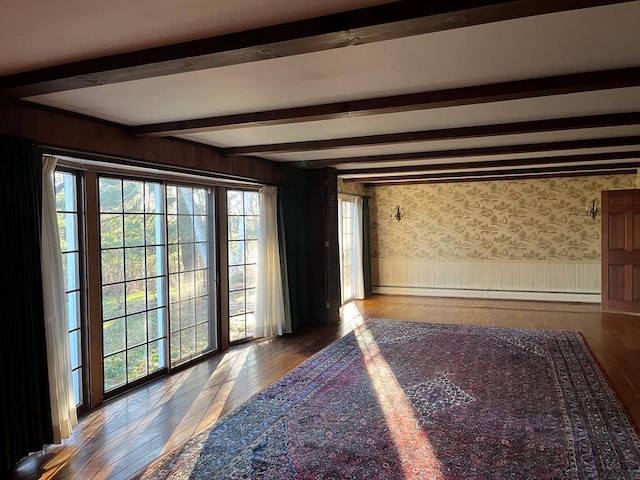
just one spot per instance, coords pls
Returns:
(114, 336)
(134, 230)
(153, 198)
(172, 200)
(188, 341)
(186, 257)
(113, 301)
(236, 278)
(155, 324)
(75, 349)
(112, 265)
(202, 256)
(134, 263)
(156, 355)
(136, 362)
(68, 231)
(72, 308)
(111, 230)
(175, 346)
(202, 336)
(133, 193)
(236, 253)
(250, 323)
(114, 371)
(110, 194)
(136, 297)
(234, 203)
(77, 385)
(236, 228)
(252, 251)
(186, 285)
(251, 228)
(251, 276)
(199, 201)
(236, 302)
(202, 309)
(154, 233)
(174, 324)
(185, 228)
(251, 203)
(154, 261)
(237, 329)
(187, 313)
(172, 229)
(71, 271)
(136, 329)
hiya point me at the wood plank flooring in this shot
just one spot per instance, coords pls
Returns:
(126, 433)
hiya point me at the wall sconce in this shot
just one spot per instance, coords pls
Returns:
(397, 215)
(592, 209)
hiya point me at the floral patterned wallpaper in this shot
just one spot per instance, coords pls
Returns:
(541, 219)
(353, 188)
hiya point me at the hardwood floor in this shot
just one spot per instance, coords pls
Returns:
(125, 434)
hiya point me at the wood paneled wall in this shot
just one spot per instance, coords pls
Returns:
(83, 136)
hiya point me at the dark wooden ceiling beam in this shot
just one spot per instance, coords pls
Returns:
(517, 162)
(622, 171)
(367, 25)
(496, 92)
(478, 152)
(537, 126)
(489, 173)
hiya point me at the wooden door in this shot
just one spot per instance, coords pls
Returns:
(621, 250)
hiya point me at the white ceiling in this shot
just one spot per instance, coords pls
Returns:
(41, 33)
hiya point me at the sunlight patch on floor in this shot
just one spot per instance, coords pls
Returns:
(351, 315)
(212, 414)
(414, 450)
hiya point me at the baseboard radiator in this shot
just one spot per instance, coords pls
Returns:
(517, 280)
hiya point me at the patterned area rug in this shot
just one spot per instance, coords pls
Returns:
(404, 400)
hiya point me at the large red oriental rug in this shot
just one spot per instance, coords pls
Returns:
(404, 400)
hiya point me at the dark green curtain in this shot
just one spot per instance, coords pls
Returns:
(293, 255)
(25, 414)
(366, 247)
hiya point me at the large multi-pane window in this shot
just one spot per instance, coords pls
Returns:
(153, 293)
(134, 307)
(189, 272)
(68, 223)
(243, 221)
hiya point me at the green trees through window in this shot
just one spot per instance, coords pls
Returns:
(134, 307)
(243, 223)
(67, 212)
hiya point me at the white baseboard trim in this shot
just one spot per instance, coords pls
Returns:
(490, 294)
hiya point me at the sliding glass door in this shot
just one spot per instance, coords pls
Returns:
(191, 299)
(134, 307)
(155, 243)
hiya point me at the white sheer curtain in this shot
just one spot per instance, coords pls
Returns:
(63, 407)
(358, 288)
(270, 316)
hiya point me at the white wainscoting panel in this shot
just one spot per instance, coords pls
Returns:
(562, 281)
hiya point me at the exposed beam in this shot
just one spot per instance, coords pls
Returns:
(537, 126)
(478, 152)
(367, 25)
(623, 171)
(495, 92)
(517, 162)
(487, 173)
